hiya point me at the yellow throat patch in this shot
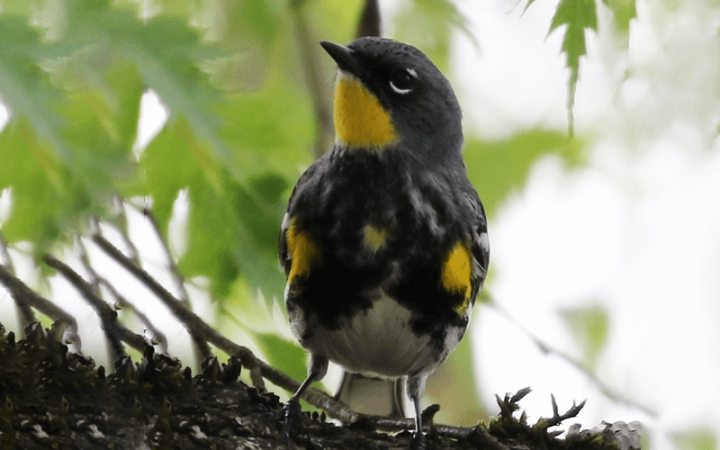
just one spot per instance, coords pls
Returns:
(360, 119)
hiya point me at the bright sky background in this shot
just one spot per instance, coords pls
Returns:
(636, 232)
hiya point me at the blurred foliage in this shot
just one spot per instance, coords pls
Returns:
(623, 12)
(589, 326)
(241, 127)
(700, 439)
(428, 25)
(577, 17)
(498, 168)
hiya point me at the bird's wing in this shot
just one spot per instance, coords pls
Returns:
(480, 245)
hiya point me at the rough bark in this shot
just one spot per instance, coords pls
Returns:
(53, 399)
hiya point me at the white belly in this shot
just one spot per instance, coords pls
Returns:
(377, 341)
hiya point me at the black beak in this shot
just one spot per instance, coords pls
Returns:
(344, 57)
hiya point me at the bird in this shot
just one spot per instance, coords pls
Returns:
(384, 242)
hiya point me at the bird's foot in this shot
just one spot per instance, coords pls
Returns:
(291, 419)
(294, 423)
(419, 442)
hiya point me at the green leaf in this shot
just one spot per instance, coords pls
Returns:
(168, 165)
(233, 154)
(590, 327)
(529, 3)
(24, 87)
(428, 25)
(699, 439)
(40, 196)
(173, 161)
(270, 129)
(243, 310)
(73, 120)
(175, 8)
(282, 354)
(578, 16)
(498, 168)
(101, 124)
(166, 51)
(14, 7)
(231, 228)
(623, 12)
(243, 24)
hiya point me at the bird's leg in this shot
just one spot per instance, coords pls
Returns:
(291, 411)
(416, 388)
(418, 441)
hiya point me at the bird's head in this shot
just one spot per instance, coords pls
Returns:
(388, 95)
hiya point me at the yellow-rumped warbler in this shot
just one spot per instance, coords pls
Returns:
(385, 242)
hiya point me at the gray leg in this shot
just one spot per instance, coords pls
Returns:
(416, 389)
(418, 415)
(317, 368)
(292, 424)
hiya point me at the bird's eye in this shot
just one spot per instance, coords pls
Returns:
(403, 81)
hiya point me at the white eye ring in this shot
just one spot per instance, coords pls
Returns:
(404, 91)
(398, 90)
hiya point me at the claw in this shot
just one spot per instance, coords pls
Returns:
(295, 426)
(291, 420)
(419, 442)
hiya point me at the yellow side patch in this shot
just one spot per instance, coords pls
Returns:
(456, 273)
(303, 251)
(374, 237)
(360, 120)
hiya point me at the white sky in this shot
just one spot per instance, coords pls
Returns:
(637, 231)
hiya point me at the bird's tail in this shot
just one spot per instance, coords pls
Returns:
(369, 395)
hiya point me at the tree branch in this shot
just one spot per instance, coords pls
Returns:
(158, 336)
(312, 68)
(23, 294)
(25, 312)
(184, 315)
(122, 218)
(115, 331)
(545, 348)
(200, 347)
(258, 368)
(369, 24)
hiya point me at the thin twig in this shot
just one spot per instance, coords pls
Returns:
(176, 275)
(200, 347)
(25, 312)
(23, 294)
(557, 418)
(114, 346)
(98, 279)
(5, 253)
(545, 348)
(115, 332)
(308, 49)
(158, 336)
(184, 315)
(124, 230)
(369, 24)
(94, 277)
(258, 368)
